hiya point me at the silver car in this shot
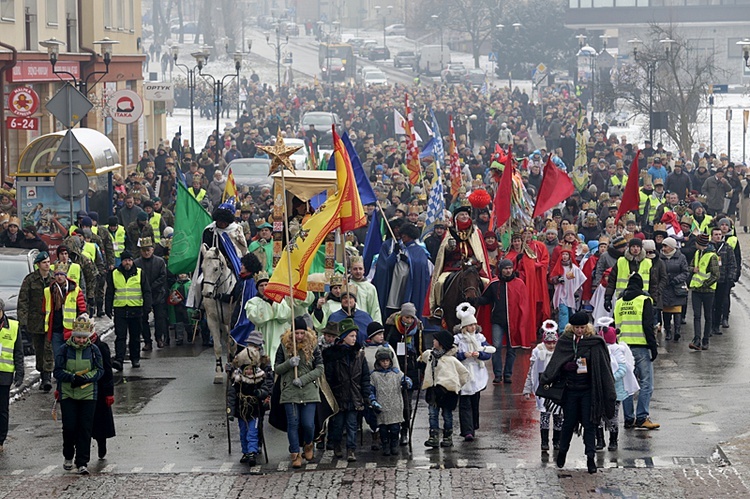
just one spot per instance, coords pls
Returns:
(16, 264)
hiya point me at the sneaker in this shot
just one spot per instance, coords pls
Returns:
(252, 458)
(647, 424)
(629, 423)
(83, 470)
(705, 347)
(68, 464)
(245, 457)
(507, 380)
(350, 455)
(497, 381)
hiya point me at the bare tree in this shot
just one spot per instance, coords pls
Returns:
(680, 77)
(474, 18)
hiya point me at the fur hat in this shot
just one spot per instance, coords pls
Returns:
(383, 353)
(465, 313)
(549, 328)
(445, 339)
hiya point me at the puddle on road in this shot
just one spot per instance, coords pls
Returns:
(132, 393)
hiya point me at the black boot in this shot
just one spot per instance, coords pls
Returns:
(613, 440)
(545, 439)
(434, 440)
(591, 464)
(556, 439)
(600, 439)
(447, 439)
(404, 440)
(677, 327)
(375, 445)
(99, 309)
(668, 333)
(561, 455)
(46, 384)
(101, 444)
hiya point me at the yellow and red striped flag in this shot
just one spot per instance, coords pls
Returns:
(455, 164)
(412, 150)
(230, 189)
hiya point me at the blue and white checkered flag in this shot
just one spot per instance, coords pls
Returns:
(439, 150)
(435, 202)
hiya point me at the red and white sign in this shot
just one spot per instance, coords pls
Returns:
(15, 123)
(29, 71)
(125, 106)
(23, 101)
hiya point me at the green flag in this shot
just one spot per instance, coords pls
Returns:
(189, 220)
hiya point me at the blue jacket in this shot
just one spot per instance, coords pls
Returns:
(361, 319)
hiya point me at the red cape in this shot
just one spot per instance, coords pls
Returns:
(521, 332)
(534, 275)
(587, 290)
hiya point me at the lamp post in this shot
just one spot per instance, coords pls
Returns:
(587, 52)
(377, 12)
(277, 46)
(218, 84)
(516, 29)
(650, 62)
(191, 87)
(435, 19)
(744, 45)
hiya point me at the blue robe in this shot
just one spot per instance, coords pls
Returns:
(384, 274)
(361, 318)
(418, 284)
(242, 326)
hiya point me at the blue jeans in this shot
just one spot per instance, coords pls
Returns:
(300, 415)
(434, 412)
(57, 342)
(341, 419)
(563, 316)
(644, 372)
(498, 332)
(249, 435)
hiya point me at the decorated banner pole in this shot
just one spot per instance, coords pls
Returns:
(279, 154)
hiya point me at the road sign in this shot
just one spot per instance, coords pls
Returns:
(492, 57)
(23, 101)
(70, 152)
(125, 106)
(16, 123)
(80, 183)
(69, 106)
(720, 89)
(541, 68)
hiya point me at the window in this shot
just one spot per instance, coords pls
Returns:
(8, 10)
(120, 13)
(51, 13)
(701, 46)
(107, 14)
(131, 16)
(734, 51)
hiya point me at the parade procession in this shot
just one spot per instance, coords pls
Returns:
(451, 268)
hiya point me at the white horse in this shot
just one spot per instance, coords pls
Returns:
(218, 279)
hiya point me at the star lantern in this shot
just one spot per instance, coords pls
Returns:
(280, 154)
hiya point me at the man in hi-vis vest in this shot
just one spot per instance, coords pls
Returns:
(11, 366)
(634, 317)
(128, 295)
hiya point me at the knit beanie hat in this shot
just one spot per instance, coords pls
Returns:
(504, 264)
(255, 339)
(609, 334)
(300, 323)
(619, 242)
(635, 242)
(648, 245)
(702, 240)
(579, 318)
(465, 313)
(445, 339)
(374, 328)
(409, 310)
(670, 241)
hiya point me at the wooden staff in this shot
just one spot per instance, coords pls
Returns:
(289, 266)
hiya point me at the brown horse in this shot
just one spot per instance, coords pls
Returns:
(461, 286)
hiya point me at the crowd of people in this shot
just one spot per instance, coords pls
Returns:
(591, 295)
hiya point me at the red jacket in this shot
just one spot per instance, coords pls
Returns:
(81, 308)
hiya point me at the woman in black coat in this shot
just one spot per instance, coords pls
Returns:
(581, 365)
(675, 294)
(104, 422)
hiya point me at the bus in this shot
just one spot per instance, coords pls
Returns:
(343, 51)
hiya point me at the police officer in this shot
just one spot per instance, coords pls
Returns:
(128, 294)
(31, 316)
(11, 366)
(634, 316)
(155, 272)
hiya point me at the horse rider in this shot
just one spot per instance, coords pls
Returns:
(128, 295)
(464, 243)
(155, 272)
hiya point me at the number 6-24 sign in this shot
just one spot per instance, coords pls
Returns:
(16, 123)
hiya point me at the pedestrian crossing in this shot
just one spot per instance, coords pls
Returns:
(419, 462)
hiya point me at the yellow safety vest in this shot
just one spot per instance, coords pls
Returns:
(118, 240)
(74, 272)
(127, 292)
(95, 229)
(623, 273)
(732, 241)
(652, 207)
(7, 344)
(155, 222)
(704, 226)
(703, 274)
(89, 249)
(629, 318)
(70, 307)
(617, 182)
(199, 196)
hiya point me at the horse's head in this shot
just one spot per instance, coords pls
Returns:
(469, 281)
(213, 269)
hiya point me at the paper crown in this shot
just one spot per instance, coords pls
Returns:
(551, 225)
(629, 217)
(337, 280)
(261, 276)
(572, 229)
(82, 326)
(610, 221)
(145, 242)
(566, 247)
(701, 198)
(61, 268)
(356, 259)
(660, 227)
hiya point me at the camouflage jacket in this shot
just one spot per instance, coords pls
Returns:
(88, 268)
(31, 302)
(133, 233)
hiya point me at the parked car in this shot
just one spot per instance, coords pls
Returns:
(432, 59)
(333, 69)
(364, 49)
(374, 78)
(362, 71)
(378, 53)
(252, 172)
(300, 156)
(16, 264)
(406, 58)
(475, 77)
(455, 72)
(395, 29)
(188, 28)
(290, 29)
(356, 44)
(322, 121)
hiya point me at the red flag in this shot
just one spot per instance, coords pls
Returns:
(503, 194)
(556, 186)
(630, 197)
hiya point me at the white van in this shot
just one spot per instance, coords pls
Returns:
(432, 59)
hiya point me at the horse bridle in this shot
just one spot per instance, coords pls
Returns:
(219, 281)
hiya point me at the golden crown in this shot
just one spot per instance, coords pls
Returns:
(337, 280)
(83, 325)
(610, 221)
(61, 267)
(261, 276)
(660, 227)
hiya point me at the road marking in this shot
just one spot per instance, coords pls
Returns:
(401, 463)
(462, 463)
(521, 463)
(137, 469)
(195, 469)
(491, 466)
(342, 463)
(371, 466)
(167, 468)
(708, 426)
(17, 472)
(109, 468)
(226, 467)
(48, 469)
(283, 466)
(640, 463)
(311, 466)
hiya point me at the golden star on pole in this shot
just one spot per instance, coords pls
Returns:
(280, 154)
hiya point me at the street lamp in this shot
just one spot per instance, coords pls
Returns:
(516, 28)
(377, 12)
(650, 63)
(191, 86)
(587, 52)
(745, 46)
(277, 46)
(218, 84)
(435, 19)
